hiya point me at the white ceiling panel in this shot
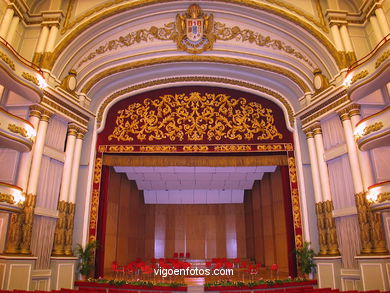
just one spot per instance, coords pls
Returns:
(182, 184)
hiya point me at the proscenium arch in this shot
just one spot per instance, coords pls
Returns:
(260, 91)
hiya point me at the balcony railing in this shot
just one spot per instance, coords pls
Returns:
(379, 195)
(11, 197)
(373, 131)
(370, 72)
(15, 132)
(20, 75)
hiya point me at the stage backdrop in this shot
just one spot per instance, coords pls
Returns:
(192, 120)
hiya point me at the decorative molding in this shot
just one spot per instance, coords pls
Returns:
(7, 60)
(189, 117)
(196, 58)
(321, 37)
(130, 89)
(30, 77)
(170, 32)
(319, 21)
(360, 75)
(382, 59)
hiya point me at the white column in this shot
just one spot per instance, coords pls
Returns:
(384, 26)
(51, 39)
(75, 168)
(25, 160)
(352, 153)
(322, 167)
(346, 38)
(66, 173)
(37, 155)
(337, 37)
(42, 39)
(12, 29)
(314, 167)
(363, 156)
(375, 28)
(9, 14)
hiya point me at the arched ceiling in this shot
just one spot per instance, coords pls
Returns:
(254, 46)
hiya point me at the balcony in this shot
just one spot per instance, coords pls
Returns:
(379, 195)
(369, 73)
(373, 131)
(15, 132)
(11, 197)
(20, 75)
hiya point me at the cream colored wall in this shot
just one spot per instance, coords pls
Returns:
(82, 6)
(29, 42)
(3, 229)
(3, 7)
(359, 41)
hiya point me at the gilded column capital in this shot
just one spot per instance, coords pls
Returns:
(317, 128)
(308, 132)
(72, 129)
(354, 110)
(81, 133)
(36, 111)
(46, 115)
(343, 114)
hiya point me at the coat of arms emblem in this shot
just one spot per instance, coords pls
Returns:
(194, 30)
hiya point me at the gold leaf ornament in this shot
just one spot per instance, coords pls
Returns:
(195, 117)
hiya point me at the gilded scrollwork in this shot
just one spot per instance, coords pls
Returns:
(6, 197)
(94, 209)
(158, 148)
(292, 169)
(195, 148)
(17, 129)
(270, 147)
(364, 224)
(31, 78)
(120, 148)
(98, 171)
(359, 75)
(382, 59)
(7, 60)
(232, 148)
(195, 117)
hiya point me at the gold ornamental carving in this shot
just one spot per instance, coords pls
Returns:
(364, 223)
(98, 171)
(292, 170)
(195, 148)
(14, 235)
(27, 223)
(383, 197)
(145, 85)
(60, 231)
(372, 128)
(6, 197)
(31, 78)
(69, 228)
(17, 129)
(358, 76)
(7, 60)
(331, 234)
(270, 147)
(120, 148)
(195, 117)
(321, 226)
(382, 59)
(158, 148)
(377, 234)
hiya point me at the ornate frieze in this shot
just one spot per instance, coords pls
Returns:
(195, 117)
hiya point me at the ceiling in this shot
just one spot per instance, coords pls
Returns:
(194, 185)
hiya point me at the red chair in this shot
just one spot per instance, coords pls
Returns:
(117, 269)
(188, 255)
(175, 255)
(181, 255)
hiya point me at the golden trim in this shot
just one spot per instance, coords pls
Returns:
(169, 32)
(7, 60)
(188, 160)
(317, 130)
(28, 85)
(130, 89)
(30, 77)
(383, 196)
(323, 110)
(369, 139)
(98, 171)
(6, 197)
(17, 129)
(16, 117)
(360, 75)
(382, 59)
(372, 128)
(195, 58)
(249, 3)
(27, 144)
